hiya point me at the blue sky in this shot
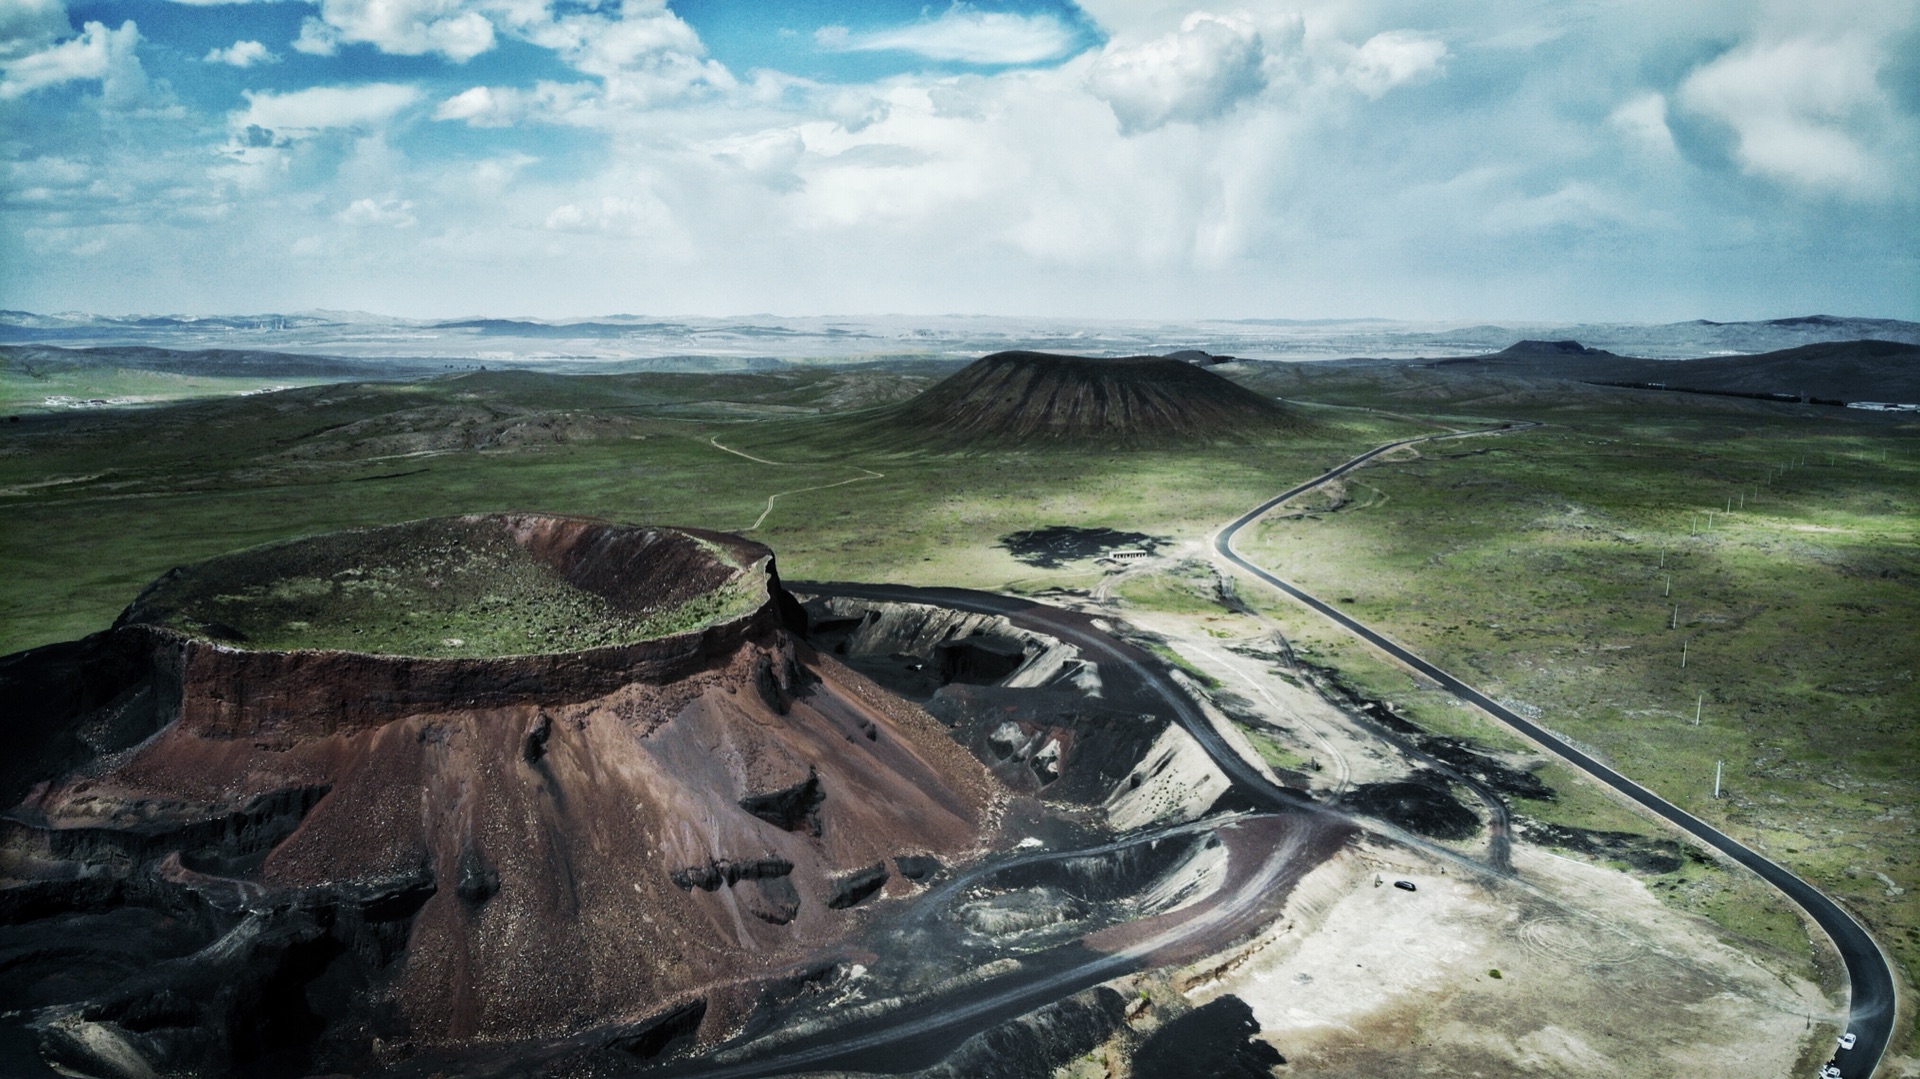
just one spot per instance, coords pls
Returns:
(1502, 160)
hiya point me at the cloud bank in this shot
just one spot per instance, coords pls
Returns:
(1330, 158)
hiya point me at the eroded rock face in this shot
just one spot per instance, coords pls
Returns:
(432, 852)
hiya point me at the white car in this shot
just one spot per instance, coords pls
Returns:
(1828, 1071)
(1847, 1040)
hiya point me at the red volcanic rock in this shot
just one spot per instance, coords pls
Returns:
(552, 841)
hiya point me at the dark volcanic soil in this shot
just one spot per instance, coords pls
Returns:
(1649, 854)
(1056, 545)
(223, 861)
(1213, 1041)
(1422, 803)
(1034, 397)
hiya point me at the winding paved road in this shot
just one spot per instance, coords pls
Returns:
(1872, 1001)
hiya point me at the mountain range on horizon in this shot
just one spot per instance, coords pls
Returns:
(810, 338)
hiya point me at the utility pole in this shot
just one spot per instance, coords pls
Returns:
(1683, 655)
(1716, 778)
(1699, 703)
(1675, 624)
(1669, 590)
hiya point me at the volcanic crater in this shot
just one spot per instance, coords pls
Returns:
(416, 791)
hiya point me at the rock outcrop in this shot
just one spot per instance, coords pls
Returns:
(288, 860)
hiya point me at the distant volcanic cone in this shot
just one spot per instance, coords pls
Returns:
(517, 782)
(1036, 397)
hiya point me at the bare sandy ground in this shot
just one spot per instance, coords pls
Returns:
(1597, 977)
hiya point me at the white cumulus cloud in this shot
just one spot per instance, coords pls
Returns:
(503, 106)
(98, 53)
(404, 27)
(378, 213)
(644, 58)
(963, 34)
(1801, 110)
(1195, 74)
(316, 38)
(241, 54)
(301, 113)
(1393, 59)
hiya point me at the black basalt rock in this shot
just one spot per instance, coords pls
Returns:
(917, 867)
(856, 887)
(535, 746)
(790, 809)
(726, 871)
(478, 881)
(651, 1036)
(773, 900)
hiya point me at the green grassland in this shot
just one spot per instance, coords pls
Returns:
(1537, 566)
(64, 390)
(99, 503)
(1529, 564)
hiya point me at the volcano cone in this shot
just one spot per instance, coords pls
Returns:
(1036, 397)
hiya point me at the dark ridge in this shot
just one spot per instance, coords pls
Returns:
(39, 361)
(1825, 372)
(1198, 357)
(1551, 348)
(1015, 398)
(519, 328)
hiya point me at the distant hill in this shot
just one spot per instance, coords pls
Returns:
(508, 327)
(1021, 397)
(1867, 370)
(207, 362)
(1551, 348)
